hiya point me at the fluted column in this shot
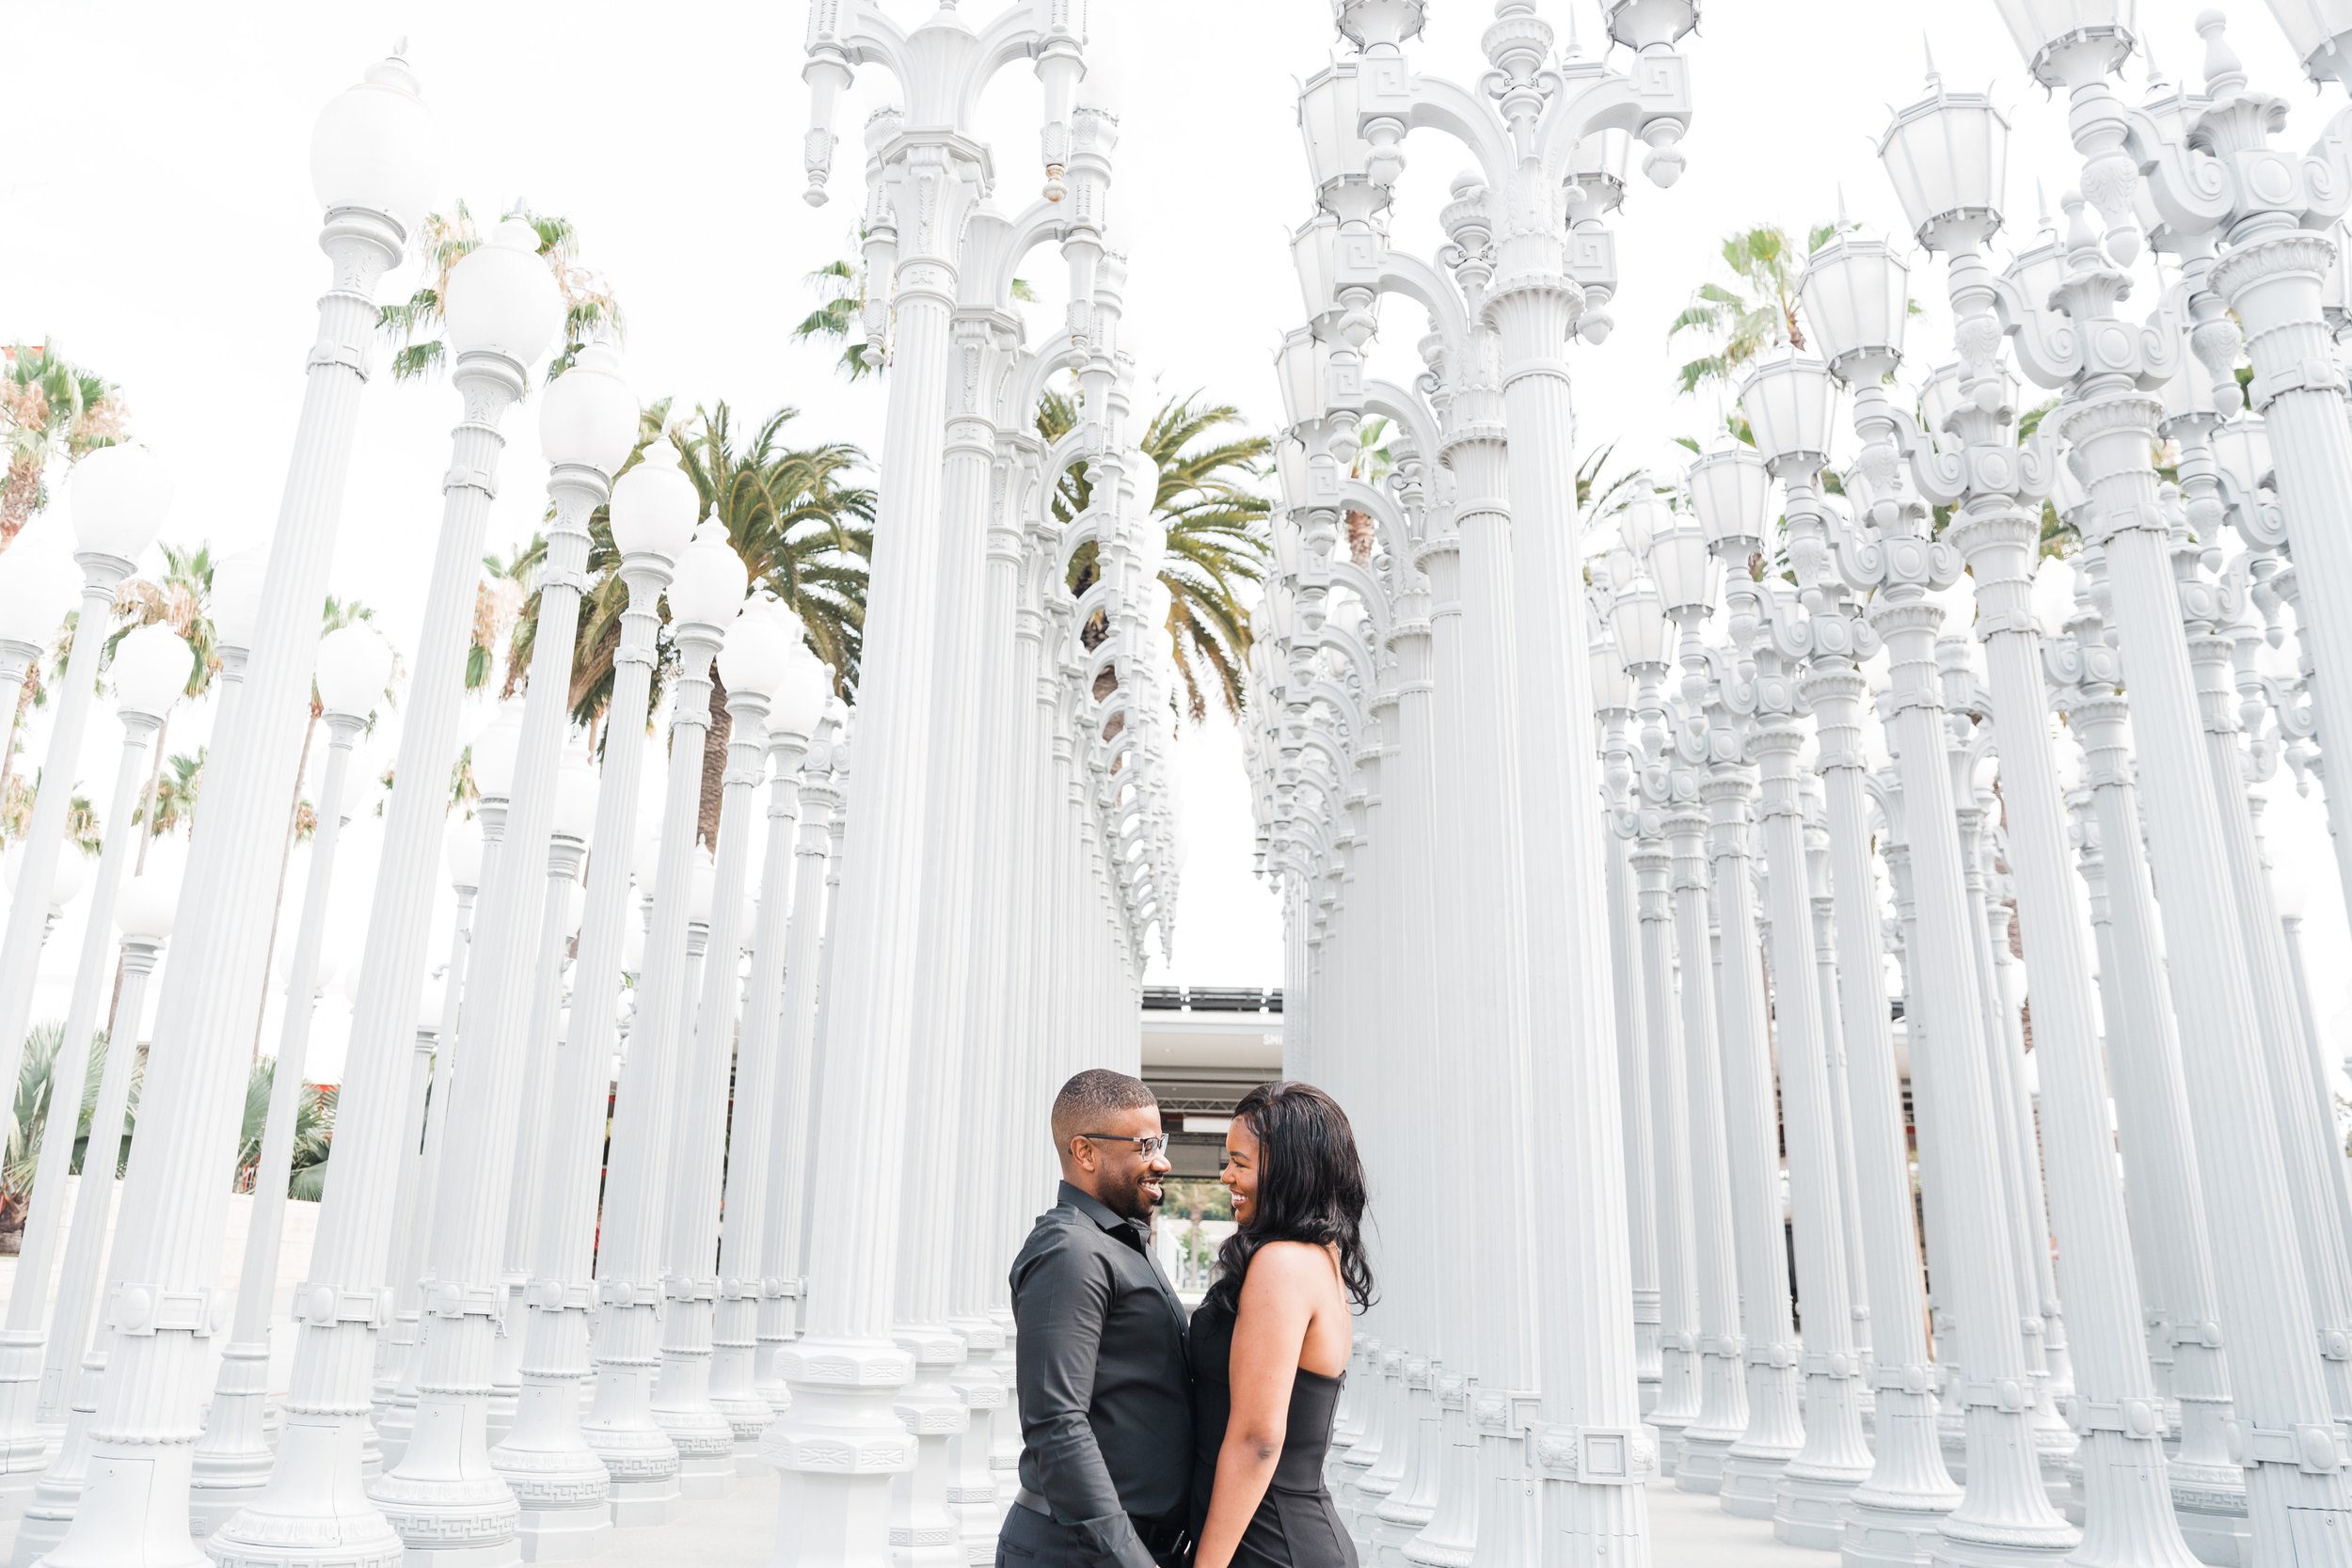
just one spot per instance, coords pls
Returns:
(1896, 1512)
(175, 1200)
(793, 1102)
(1677, 1404)
(2003, 1510)
(2153, 1123)
(1449, 1537)
(57, 1497)
(1723, 1413)
(1840, 1100)
(1776, 1431)
(233, 1457)
(637, 1450)
(840, 1440)
(2279, 1394)
(69, 1072)
(527, 1189)
(681, 1395)
(559, 1483)
(1809, 1509)
(754, 1166)
(1412, 946)
(1643, 1221)
(2118, 1413)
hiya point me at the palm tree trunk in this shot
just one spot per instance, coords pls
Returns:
(714, 763)
(278, 906)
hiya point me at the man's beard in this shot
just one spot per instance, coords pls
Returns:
(1134, 1202)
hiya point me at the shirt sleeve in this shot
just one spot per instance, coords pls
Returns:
(1060, 1296)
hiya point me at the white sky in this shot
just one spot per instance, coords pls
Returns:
(161, 228)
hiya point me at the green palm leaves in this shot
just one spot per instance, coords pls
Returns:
(1754, 311)
(443, 241)
(1218, 541)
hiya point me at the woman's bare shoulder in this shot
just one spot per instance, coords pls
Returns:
(1291, 1264)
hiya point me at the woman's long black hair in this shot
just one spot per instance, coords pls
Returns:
(1310, 1186)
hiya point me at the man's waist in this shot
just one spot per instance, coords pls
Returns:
(1146, 1525)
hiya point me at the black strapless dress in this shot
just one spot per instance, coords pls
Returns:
(1295, 1525)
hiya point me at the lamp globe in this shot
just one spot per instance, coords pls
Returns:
(588, 418)
(752, 658)
(710, 581)
(461, 853)
(151, 669)
(236, 597)
(375, 147)
(654, 505)
(120, 494)
(148, 902)
(354, 667)
(503, 297)
(494, 752)
(576, 788)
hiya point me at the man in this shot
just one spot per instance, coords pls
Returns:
(1106, 1392)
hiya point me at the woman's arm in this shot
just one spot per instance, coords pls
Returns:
(1278, 1302)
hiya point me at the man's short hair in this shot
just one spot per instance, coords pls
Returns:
(1092, 1094)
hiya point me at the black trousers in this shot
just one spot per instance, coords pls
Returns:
(1031, 1539)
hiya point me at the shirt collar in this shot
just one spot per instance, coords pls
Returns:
(1092, 1208)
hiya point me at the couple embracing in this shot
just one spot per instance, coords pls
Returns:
(1148, 1442)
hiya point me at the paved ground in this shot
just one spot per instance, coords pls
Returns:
(1687, 1531)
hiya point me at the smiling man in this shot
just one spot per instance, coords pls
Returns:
(1105, 1395)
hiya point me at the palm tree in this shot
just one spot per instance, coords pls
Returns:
(804, 531)
(1216, 535)
(313, 1134)
(35, 1096)
(49, 407)
(498, 601)
(1756, 310)
(414, 324)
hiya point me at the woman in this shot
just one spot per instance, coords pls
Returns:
(1270, 1342)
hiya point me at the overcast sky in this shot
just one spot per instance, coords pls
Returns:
(160, 225)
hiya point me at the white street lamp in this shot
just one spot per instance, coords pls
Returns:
(370, 162)
(564, 1483)
(706, 595)
(234, 1455)
(120, 495)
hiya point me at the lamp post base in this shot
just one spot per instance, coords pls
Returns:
(48, 1505)
(1809, 1509)
(1751, 1480)
(1879, 1534)
(1700, 1466)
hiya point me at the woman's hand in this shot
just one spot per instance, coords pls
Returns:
(1278, 1302)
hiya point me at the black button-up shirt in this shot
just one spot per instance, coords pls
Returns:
(1099, 1363)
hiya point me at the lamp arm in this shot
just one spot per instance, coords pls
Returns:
(1392, 99)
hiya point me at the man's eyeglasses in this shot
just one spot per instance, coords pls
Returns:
(1150, 1147)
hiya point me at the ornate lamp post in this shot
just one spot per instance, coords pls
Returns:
(705, 596)
(120, 495)
(144, 913)
(2296, 1456)
(2003, 1510)
(1788, 400)
(1716, 703)
(371, 169)
(755, 662)
(559, 1480)
(233, 1457)
(150, 672)
(840, 1440)
(1999, 489)
(1856, 302)
(1677, 750)
(757, 1158)
(151, 669)
(502, 310)
(2151, 1100)
(1637, 641)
